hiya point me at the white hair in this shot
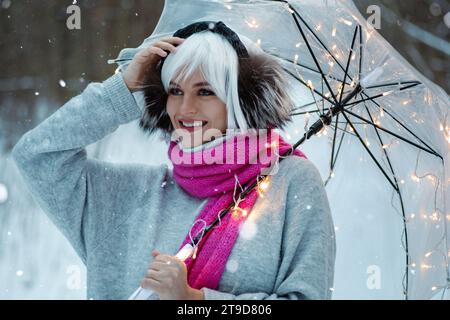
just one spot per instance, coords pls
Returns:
(217, 60)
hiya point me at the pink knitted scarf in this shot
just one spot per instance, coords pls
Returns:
(212, 173)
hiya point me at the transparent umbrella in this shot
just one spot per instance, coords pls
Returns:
(378, 132)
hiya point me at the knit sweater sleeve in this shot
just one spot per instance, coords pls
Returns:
(308, 248)
(77, 193)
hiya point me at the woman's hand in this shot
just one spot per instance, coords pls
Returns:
(145, 60)
(167, 276)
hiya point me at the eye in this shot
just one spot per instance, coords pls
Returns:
(174, 91)
(204, 92)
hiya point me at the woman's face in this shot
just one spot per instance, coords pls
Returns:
(195, 111)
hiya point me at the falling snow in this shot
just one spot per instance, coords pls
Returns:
(232, 265)
(248, 230)
(3, 193)
(62, 83)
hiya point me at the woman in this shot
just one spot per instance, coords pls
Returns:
(277, 242)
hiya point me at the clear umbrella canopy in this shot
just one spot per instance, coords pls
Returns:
(383, 150)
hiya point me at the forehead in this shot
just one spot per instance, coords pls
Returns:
(195, 79)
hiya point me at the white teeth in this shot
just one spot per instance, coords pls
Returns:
(193, 124)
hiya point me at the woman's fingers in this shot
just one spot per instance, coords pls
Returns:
(136, 73)
(166, 46)
(172, 40)
(148, 283)
(160, 265)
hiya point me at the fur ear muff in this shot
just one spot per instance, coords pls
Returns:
(263, 93)
(155, 115)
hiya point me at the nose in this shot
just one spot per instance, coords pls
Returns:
(188, 106)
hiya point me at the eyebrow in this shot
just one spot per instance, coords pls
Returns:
(198, 84)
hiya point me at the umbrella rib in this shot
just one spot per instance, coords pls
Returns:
(304, 66)
(403, 126)
(380, 95)
(348, 63)
(367, 149)
(306, 85)
(343, 130)
(315, 36)
(311, 103)
(294, 15)
(310, 111)
(305, 105)
(382, 143)
(340, 142)
(333, 144)
(360, 52)
(392, 84)
(431, 151)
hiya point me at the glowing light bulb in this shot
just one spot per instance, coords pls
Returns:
(434, 216)
(425, 266)
(263, 186)
(239, 211)
(345, 21)
(252, 23)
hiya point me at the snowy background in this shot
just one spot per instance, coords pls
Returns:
(44, 64)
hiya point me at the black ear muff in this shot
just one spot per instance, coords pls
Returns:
(262, 89)
(155, 115)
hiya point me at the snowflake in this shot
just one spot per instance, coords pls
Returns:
(248, 229)
(232, 265)
(3, 193)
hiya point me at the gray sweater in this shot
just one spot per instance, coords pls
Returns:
(115, 214)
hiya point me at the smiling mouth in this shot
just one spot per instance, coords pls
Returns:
(192, 125)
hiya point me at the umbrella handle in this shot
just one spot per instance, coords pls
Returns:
(147, 294)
